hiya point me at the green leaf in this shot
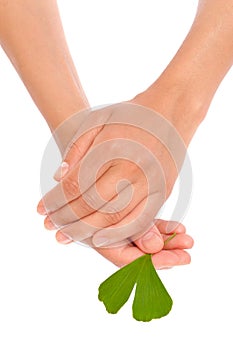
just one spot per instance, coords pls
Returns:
(151, 299)
(116, 290)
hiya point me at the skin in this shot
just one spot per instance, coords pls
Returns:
(53, 77)
(182, 94)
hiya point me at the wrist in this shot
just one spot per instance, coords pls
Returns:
(68, 125)
(176, 101)
(187, 86)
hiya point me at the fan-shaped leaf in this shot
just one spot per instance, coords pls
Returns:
(116, 290)
(151, 299)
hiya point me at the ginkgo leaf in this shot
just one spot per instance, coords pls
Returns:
(116, 290)
(151, 299)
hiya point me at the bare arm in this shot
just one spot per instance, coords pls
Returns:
(32, 36)
(186, 88)
(182, 94)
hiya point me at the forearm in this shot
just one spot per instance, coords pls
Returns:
(193, 76)
(32, 36)
(207, 53)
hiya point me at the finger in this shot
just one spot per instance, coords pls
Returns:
(105, 196)
(169, 258)
(124, 255)
(61, 238)
(127, 253)
(180, 241)
(114, 234)
(133, 225)
(167, 227)
(67, 190)
(151, 242)
(71, 224)
(90, 122)
(92, 125)
(75, 151)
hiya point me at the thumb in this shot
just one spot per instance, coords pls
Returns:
(75, 152)
(151, 242)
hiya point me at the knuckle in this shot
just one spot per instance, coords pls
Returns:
(69, 215)
(113, 216)
(89, 200)
(71, 188)
(59, 221)
(77, 149)
(84, 206)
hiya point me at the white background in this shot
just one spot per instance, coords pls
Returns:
(48, 292)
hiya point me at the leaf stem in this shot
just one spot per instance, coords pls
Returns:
(170, 238)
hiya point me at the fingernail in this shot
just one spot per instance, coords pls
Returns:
(41, 208)
(100, 241)
(61, 238)
(49, 224)
(61, 171)
(148, 235)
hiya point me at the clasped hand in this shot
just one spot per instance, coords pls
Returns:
(116, 174)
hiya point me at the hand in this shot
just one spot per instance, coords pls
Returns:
(171, 255)
(168, 255)
(121, 142)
